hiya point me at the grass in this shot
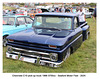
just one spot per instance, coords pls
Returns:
(9, 8)
(82, 61)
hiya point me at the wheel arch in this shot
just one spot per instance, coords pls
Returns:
(5, 35)
(71, 49)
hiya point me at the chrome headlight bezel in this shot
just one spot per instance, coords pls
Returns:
(9, 49)
(53, 56)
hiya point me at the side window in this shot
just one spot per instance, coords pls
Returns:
(37, 21)
(75, 23)
(8, 21)
(68, 23)
(28, 20)
(11, 21)
(20, 20)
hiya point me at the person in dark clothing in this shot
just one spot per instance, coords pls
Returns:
(59, 9)
(94, 15)
(67, 10)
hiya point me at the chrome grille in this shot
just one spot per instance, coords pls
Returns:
(31, 53)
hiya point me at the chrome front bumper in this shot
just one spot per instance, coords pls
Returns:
(32, 58)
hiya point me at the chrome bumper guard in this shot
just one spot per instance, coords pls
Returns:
(32, 58)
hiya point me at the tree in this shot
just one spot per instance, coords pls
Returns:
(92, 4)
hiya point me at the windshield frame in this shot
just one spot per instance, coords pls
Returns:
(53, 16)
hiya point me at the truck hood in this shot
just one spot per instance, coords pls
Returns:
(59, 38)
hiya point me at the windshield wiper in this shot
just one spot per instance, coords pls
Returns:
(50, 28)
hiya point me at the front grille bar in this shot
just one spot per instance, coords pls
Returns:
(38, 52)
(36, 56)
(35, 53)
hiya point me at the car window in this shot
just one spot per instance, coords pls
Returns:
(53, 22)
(28, 20)
(54, 19)
(8, 20)
(64, 22)
(21, 20)
(38, 21)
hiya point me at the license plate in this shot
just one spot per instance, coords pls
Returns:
(31, 60)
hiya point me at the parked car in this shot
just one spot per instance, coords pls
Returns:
(52, 39)
(20, 13)
(9, 13)
(31, 14)
(12, 13)
(15, 23)
(44, 10)
(91, 10)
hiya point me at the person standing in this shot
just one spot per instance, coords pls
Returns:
(63, 9)
(74, 10)
(94, 14)
(71, 10)
(25, 12)
(60, 9)
(82, 18)
(56, 10)
(40, 11)
(67, 10)
(18, 10)
(6, 11)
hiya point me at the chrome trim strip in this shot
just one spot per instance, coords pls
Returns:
(43, 61)
(51, 62)
(35, 52)
(15, 52)
(45, 58)
(36, 56)
(31, 51)
(73, 41)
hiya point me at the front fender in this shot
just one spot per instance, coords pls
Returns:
(6, 34)
(85, 31)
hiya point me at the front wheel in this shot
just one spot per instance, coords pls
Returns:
(67, 53)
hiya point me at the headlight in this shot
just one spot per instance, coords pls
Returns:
(54, 57)
(9, 49)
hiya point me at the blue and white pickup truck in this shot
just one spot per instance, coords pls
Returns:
(13, 24)
(52, 39)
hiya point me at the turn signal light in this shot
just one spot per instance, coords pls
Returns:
(10, 40)
(52, 46)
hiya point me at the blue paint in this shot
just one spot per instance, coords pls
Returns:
(63, 39)
(11, 29)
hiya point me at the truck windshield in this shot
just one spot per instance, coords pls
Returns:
(52, 22)
(8, 21)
